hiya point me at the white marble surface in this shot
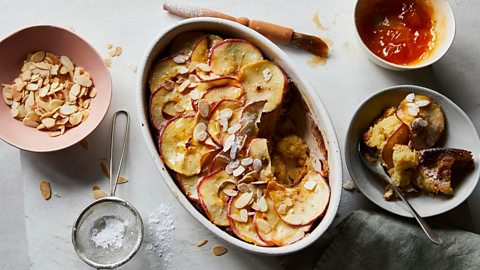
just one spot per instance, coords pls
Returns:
(35, 233)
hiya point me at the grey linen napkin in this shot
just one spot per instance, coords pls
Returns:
(369, 240)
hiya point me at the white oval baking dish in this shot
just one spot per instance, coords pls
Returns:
(318, 114)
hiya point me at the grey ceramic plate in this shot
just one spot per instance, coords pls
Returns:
(459, 133)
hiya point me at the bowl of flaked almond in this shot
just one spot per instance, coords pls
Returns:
(55, 88)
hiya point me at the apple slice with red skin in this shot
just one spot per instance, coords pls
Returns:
(205, 85)
(400, 136)
(229, 56)
(162, 70)
(200, 52)
(214, 128)
(184, 43)
(217, 94)
(423, 137)
(220, 161)
(263, 80)
(306, 205)
(258, 149)
(280, 233)
(189, 184)
(213, 40)
(244, 230)
(158, 99)
(213, 201)
(177, 148)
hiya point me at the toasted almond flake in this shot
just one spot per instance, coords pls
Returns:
(98, 193)
(37, 56)
(75, 90)
(180, 59)
(310, 185)
(111, 52)
(204, 67)
(118, 51)
(109, 46)
(229, 142)
(32, 86)
(243, 215)
(202, 243)
(230, 192)
(267, 74)
(107, 61)
(419, 122)
(55, 133)
(203, 108)
(75, 118)
(234, 164)
(228, 170)
(30, 122)
(282, 209)
(262, 204)
(45, 189)
(410, 97)
(192, 66)
(413, 109)
(85, 143)
(233, 129)
(349, 185)
(133, 68)
(183, 86)
(243, 200)
(183, 70)
(122, 179)
(238, 171)
(243, 187)
(422, 103)
(294, 219)
(67, 109)
(105, 169)
(199, 133)
(48, 122)
(83, 80)
(264, 226)
(247, 161)
(219, 250)
(257, 165)
(66, 62)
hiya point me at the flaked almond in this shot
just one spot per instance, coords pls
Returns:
(105, 169)
(107, 61)
(243, 187)
(263, 226)
(183, 86)
(30, 122)
(233, 129)
(45, 189)
(118, 51)
(122, 179)
(67, 109)
(98, 193)
(183, 70)
(204, 67)
(422, 103)
(66, 62)
(48, 122)
(219, 250)
(267, 74)
(243, 200)
(262, 204)
(282, 209)
(75, 118)
(238, 171)
(203, 108)
(310, 185)
(257, 165)
(202, 243)
(410, 97)
(247, 161)
(55, 133)
(229, 142)
(180, 59)
(37, 56)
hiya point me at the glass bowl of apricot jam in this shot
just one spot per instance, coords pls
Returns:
(404, 34)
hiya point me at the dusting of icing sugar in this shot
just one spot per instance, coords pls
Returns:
(184, 10)
(160, 227)
(110, 234)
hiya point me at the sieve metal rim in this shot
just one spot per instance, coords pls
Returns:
(134, 250)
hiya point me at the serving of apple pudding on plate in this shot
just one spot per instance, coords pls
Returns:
(405, 139)
(231, 131)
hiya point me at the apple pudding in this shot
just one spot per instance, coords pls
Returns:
(404, 138)
(232, 132)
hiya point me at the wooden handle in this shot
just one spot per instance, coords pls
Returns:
(276, 33)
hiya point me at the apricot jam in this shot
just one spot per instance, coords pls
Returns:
(398, 31)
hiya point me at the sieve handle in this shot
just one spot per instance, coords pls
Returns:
(114, 176)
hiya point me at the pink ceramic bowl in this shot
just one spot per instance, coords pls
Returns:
(59, 41)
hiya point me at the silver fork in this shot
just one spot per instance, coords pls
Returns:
(375, 167)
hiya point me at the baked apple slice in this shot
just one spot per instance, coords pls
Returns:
(184, 43)
(158, 100)
(263, 80)
(200, 51)
(179, 151)
(229, 56)
(162, 70)
(425, 118)
(217, 94)
(400, 136)
(219, 123)
(243, 226)
(205, 85)
(273, 230)
(213, 40)
(303, 203)
(212, 199)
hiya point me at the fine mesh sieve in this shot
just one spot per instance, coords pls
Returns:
(98, 215)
